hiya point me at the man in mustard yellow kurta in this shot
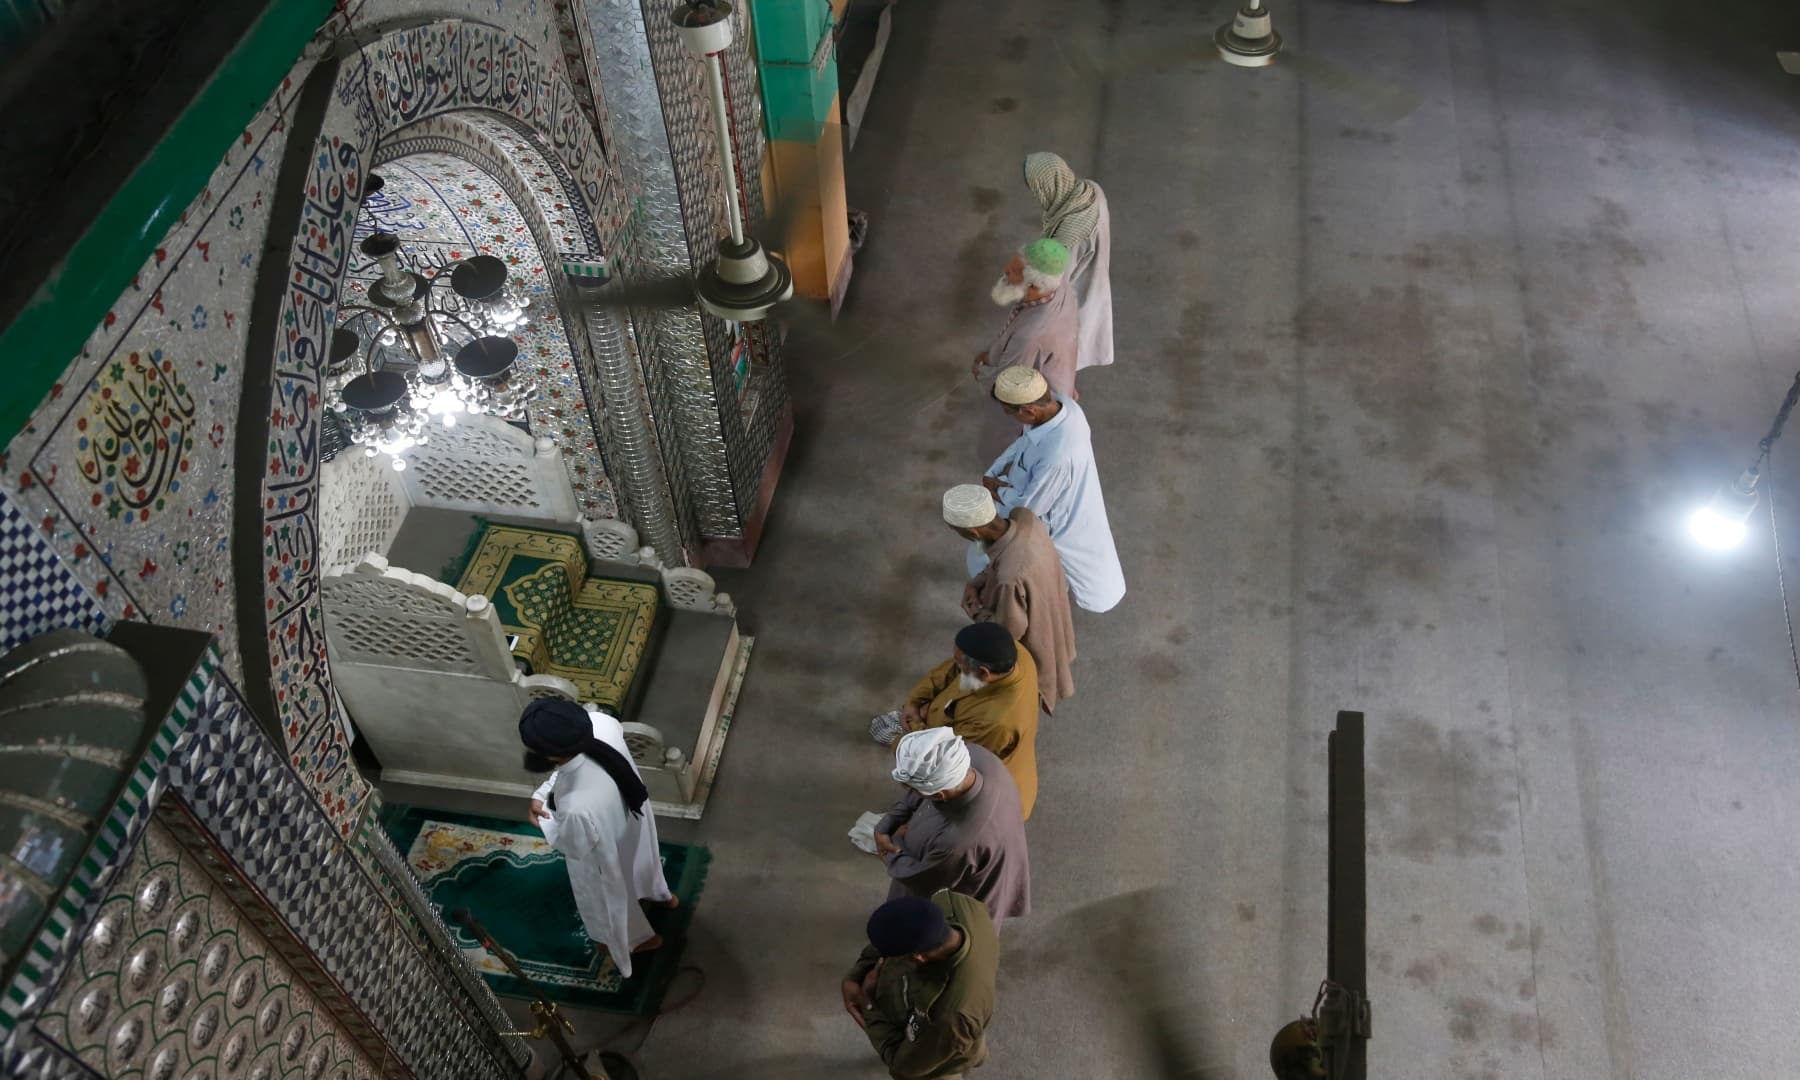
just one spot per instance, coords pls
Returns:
(987, 692)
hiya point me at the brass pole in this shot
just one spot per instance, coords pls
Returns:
(551, 1023)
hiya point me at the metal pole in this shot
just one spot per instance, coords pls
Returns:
(716, 82)
(1347, 899)
(551, 1024)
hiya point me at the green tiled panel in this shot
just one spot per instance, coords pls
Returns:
(789, 29)
(796, 101)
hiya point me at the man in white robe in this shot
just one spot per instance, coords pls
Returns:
(1050, 469)
(594, 811)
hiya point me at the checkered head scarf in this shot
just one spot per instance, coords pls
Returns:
(1070, 204)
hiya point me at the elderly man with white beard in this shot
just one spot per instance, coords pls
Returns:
(986, 692)
(1042, 332)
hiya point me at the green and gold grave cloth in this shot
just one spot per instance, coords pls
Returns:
(509, 876)
(595, 632)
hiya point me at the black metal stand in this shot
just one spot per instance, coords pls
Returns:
(551, 1023)
(1343, 1013)
(1334, 1041)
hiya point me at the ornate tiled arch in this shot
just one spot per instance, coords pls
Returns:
(562, 230)
(397, 80)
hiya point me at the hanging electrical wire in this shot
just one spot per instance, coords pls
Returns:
(1780, 574)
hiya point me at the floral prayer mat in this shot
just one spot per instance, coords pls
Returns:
(515, 884)
(595, 632)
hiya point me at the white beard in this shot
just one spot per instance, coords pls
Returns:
(981, 546)
(1006, 294)
(969, 683)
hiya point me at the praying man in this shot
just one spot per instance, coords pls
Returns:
(1076, 215)
(1050, 470)
(1041, 330)
(593, 811)
(923, 988)
(958, 827)
(1016, 580)
(987, 693)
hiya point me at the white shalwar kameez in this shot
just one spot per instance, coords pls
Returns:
(1050, 468)
(612, 856)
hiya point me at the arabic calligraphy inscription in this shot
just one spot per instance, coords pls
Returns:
(134, 438)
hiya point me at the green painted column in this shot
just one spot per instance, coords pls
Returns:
(797, 62)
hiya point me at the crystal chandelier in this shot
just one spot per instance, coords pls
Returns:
(431, 349)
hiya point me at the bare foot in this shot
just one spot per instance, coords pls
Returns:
(655, 942)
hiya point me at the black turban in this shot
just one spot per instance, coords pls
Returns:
(907, 925)
(990, 645)
(558, 728)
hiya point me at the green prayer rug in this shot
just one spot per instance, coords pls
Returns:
(515, 883)
(595, 632)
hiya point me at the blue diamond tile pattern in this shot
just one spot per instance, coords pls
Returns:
(36, 592)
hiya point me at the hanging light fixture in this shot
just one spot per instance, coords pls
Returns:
(1249, 39)
(1723, 520)
(433, 348)
(743, 283)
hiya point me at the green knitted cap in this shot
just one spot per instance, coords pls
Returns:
(1047, 256)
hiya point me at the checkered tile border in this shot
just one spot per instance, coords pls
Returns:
(26, 1055)
(36, 592)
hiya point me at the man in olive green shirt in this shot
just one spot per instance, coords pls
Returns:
(923, 988)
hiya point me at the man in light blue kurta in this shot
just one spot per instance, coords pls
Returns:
(1050, 469)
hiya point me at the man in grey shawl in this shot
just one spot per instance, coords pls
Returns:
(1041, 333)
(958, 827)
(1075, 214)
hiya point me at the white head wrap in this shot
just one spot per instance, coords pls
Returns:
(1020, 385)
(968, 506)
(931, 761)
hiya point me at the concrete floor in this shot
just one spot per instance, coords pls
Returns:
(1405, 415)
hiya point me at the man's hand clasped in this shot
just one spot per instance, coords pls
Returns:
(856, 1001)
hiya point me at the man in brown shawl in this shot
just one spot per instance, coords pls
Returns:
(1041, 333)
(1016, 580)
(958, 826)
(1075, 214)
(987, 693)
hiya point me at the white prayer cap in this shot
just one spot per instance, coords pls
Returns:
(1020, 385)
(968, 506)
(931, 761)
